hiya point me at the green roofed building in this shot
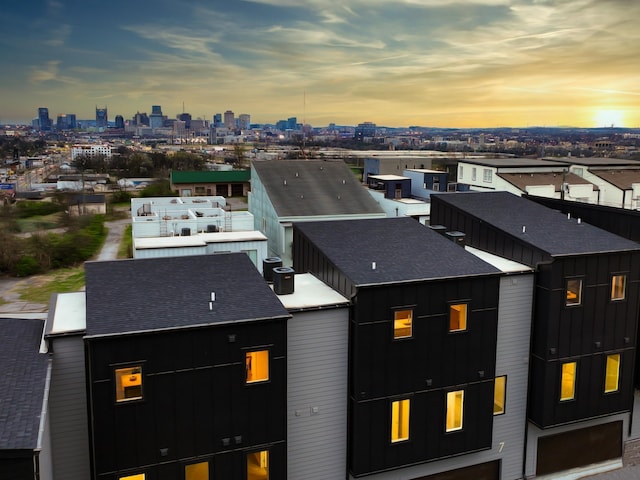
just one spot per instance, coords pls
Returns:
(231, 183)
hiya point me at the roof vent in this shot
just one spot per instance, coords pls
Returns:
(441, 229)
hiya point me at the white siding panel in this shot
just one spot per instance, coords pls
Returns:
(317, 347)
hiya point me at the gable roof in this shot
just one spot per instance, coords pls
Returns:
(223, 176)
(547, 230)
(22, 384)
(402, 249)
(513, 162)
(302, 188)
(524, 180)
(623, 179)
(141, 295)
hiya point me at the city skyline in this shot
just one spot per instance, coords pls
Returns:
(472, 63)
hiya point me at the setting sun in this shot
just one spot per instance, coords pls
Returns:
(609, 118)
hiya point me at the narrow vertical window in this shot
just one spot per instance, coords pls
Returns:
(128, 383)
(257, 366)
(618, 287)
(197, 471)
(455, 408)
(400, 420)
(574, 291)
(612, 375)
(473, 174)
(402, 323)
(499, 395)
(458, 317)
(568, 381)
(460, 172)
(258, 465)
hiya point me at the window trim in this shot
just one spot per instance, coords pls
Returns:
(624, 276)
(461, 407)
(396, 320)
(246, 370)
(128, 366)
(451, 306)
(487, 175)
(268, 460)
(193, 463)
(617, 373)
(573, 384)
(504, 395)
(580, 295)
(399, 402)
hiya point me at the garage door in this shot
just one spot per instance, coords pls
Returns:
(483, 471)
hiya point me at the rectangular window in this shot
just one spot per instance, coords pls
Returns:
(436, 186)
(455, 407)
(486, 175)
(402, 323)
(197, 471)
(139, 476)
(128, 383)
(400, 420)
(458, 317)
(257, 366)
(258, 465)
(618, 287)
(612, 375)
(460, 171)
(568, 381)
(574, 291)
(473, 174)
(499, 395)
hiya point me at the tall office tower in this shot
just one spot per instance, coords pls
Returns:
(43, 119)
(155, 119)
(229, 119)
(292, 123)
(119, 122)
(140, 119)
(101, 118)
(217, 120)
(365, 130)
(244, 121)
(71, 121)
(186, 118)
(62, 122)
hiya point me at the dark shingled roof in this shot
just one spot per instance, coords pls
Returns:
(545, 229)
(302, 188)
(128, 296)
(22, 382)
(402, 249)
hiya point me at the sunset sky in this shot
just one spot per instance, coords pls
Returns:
(470, 63)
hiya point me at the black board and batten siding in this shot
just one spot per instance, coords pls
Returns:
(317, 358)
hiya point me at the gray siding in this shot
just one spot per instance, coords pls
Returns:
(68, 410)
(512, 359)
(317, 346)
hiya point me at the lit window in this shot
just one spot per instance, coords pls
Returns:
(612, 375)
(499, 395)
(618, 285)
(568, 381)
(486, 175)
(574, 291)
(128, 384)
(402, 323)
(400, 420)
(455, 404)
(140, 476)
(257, 366)
(458, 317)
(197, 471)
(258, 465)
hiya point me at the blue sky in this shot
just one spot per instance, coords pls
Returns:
(470, 63)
